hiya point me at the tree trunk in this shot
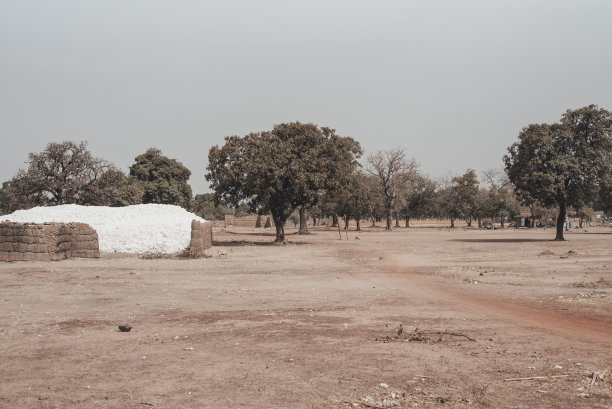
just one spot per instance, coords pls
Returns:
(502, 221)
(303, 221)
(452, 221)
(373, 219)
(389, 224)
(346, 222)
(407, 221)
(358, 222)
(279, 223)
(479, 222)
(397, 220)
(560, 222)
(334, 220)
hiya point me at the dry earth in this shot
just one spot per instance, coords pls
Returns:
(314, 324)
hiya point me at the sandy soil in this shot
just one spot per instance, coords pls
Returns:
(314, 324)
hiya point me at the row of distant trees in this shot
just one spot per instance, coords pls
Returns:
(302, 167)
(371, 195)
(67, 173)
(311, 171)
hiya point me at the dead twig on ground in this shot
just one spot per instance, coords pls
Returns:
(369, 405)
(535, 378)
(421, 336)
(454, 334)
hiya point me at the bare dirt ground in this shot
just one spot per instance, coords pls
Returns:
(316, 324)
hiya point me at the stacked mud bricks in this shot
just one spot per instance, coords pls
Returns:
(201, 238)
(47, 242)
(249, 221)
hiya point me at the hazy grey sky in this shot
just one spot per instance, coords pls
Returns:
(451, 81)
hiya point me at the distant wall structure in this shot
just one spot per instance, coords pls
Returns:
(253, 221)
(201, 238)
(325, 221)
(47, 242)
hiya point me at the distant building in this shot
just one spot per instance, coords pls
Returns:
(523, 217)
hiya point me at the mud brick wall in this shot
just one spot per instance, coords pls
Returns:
(252, 221)
(47, 242)
(201, 238)
(78, 240)
(326, 221)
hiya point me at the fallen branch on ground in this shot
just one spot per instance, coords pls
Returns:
(535, 378)
(369, 405)
(454, 334)
(420, 336)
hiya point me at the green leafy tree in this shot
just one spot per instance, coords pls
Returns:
(419, 197)
(12, 198)
(466, 191)
(161, 179)
(132, 192)
(360, 197)
(64, 173)
(204, 206)
(500, 204)
(563, 164)
(351, 200)
(280, 170)
(480, 202)
(373, 199)
(604, 201)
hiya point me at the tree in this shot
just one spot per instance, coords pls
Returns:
(360, 197)
(64, 173)
(351, 200)
(604, 201)
(106, 190)
(161, 179)
(419, 197)
(563, 164)
(392, 171)
(500, 203)
(447, 200)
(12, 198)
(465, 193)
(585, 215)
(280, 170)
(481, 202)
(204, 206)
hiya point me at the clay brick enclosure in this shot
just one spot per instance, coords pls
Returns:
(201, 238)
(47, 242)
(249, 221)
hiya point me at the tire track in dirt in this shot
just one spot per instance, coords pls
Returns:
(525, 314)
(566, 324)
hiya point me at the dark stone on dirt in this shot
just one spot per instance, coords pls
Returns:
(125, 328)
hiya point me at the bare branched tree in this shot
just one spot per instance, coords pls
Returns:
(392, 171)
(496, 177)
(65, 173)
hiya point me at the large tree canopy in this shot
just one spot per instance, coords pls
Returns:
(63, 173)
(160, 179)
(563, 164)
(280, 170)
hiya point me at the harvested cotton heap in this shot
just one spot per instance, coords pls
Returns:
(132, 229)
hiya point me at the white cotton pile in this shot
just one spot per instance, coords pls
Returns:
(131, 229)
